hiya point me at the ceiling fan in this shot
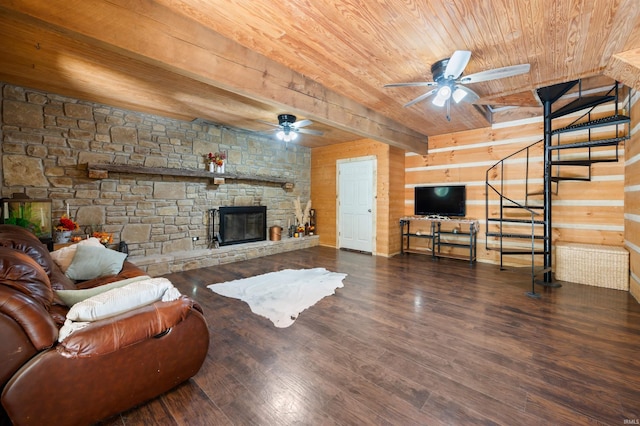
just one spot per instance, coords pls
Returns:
(288, 128)
(450, 83)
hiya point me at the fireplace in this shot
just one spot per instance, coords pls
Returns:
(243, 224)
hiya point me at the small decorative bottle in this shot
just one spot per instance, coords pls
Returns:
(312, 221)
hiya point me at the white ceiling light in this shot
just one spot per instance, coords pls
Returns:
(443, 94)
(459, 94)
(286, 135)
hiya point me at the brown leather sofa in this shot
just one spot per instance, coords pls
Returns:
(108, 367)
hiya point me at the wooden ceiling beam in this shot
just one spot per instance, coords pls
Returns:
(153, 34)
(625, 68)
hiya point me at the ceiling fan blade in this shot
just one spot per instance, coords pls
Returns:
(457, 64)
(302, 123)
(413, 84)
(495, 74)
(268, 124)
(421, 98)
(470, 95)
(310, 132)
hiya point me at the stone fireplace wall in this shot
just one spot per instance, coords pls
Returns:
(47, 141)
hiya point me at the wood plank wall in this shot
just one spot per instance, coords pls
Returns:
(389, 195)
(586, 212)
(605, 210)
(632, 198)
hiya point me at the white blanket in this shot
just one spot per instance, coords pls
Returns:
(281, 296)
(117, 300)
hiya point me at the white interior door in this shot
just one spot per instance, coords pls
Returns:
(356, 189)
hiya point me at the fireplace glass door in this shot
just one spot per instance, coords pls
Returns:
(243, 224)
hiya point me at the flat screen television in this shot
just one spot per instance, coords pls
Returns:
(441, 200)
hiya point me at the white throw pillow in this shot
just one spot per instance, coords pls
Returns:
(123, 299)
(93, 262)
(71, 297)
(64, 256)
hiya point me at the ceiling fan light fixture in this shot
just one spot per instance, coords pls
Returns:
(286, 135)
(443, 94)
(459, 94)
(439, 101)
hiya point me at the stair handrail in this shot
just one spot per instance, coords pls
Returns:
(512, 154)
(500, 193)
(501, 162)
(516, 203)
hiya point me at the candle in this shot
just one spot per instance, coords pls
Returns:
(67, 209)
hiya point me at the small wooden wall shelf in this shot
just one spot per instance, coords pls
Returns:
(101, 171)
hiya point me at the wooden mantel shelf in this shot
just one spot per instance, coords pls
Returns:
(101, 171)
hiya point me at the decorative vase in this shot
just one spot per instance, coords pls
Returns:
(62, 236)
(221, 167)
(212, 166)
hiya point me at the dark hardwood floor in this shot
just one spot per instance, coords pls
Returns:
(410, 341)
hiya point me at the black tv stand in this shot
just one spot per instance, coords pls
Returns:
(437, 233)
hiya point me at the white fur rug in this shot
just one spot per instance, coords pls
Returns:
(281, 296)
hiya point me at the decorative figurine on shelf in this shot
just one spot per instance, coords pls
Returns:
(312, 221)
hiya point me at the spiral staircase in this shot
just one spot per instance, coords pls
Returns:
(521, 225)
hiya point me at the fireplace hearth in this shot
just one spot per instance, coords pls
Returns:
(242, 224)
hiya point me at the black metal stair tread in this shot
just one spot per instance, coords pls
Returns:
(582, 103)
(510, 235)
(583, 162)
(593, 143)
(569, 178)
(497, 219)
(523, 252)
(555, 92)
(515, 251)
(605, 121)
(513, 206)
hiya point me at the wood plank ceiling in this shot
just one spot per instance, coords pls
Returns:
(239, 62)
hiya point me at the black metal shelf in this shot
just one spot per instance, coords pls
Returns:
(436, 235)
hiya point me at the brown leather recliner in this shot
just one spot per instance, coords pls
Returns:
(108, 367)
